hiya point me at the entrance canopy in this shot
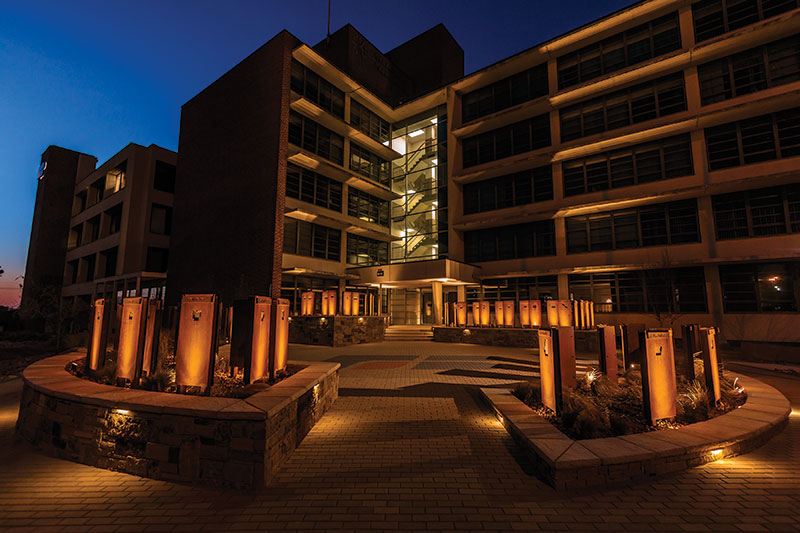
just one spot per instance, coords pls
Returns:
(417, 273)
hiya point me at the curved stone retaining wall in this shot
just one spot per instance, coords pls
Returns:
(197, 439)
(567, 464)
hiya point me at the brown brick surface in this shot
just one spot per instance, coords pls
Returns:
(410, 449)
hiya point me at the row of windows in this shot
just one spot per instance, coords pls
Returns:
(628, 48)
(309, 135)
(367, 207)
(764, 138)
(775, 64)
(313, 188)
(759, 287)
(642, 163)
(510, 242)
(509, 140)
(508, 92)
(527, 288)
(759, 212)
(639, 103)
(533, 185)
(660, 224)
(311, 240)
(366, 251)
(310, 85)
(370, 165)
(676, 290)
(715, 17)
(368, 122)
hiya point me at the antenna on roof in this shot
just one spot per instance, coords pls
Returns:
(328, 38)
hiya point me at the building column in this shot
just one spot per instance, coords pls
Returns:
(563, 286)
(437, 303)
(380, 299)
(462, 293)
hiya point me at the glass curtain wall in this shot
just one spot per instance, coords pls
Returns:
(419, 217)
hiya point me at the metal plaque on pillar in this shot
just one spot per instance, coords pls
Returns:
(608, 351)
(101, 322)
(197, 341)
(279, 354)
(708, 345)
(461, 314)
(132, 329)
(535, 313)
(151, 337)
(250, 342)
(691, 346)
(498, 313)
(659, 388)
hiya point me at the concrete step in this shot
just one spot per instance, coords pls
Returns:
(408, 333)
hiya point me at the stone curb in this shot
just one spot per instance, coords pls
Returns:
(49, 376)
(566, 464)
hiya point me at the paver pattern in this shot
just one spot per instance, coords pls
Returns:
(408, 446)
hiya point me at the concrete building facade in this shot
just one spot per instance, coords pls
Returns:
(108, 228)
(648, 161)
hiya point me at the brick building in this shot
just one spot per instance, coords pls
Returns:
(99, 231)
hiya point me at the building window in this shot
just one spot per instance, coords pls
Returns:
(759, 287)
(775, 64)
(164, 178)
(757, 212)
(370, 165)
(510, 140)
(71, 275)
(521, 188)
(367, 207)
(764, 138)
(91, 262)
(366, 251)
(527, 288)
(510, 242)
(75, 237)
(675, 290)
(622, 50)
(114, 219)
(715, 17)
(79, 203)
(157, 259)
(311, 240)
(109, 258)
(646, 101)
(368, 122)
(311, 86)
(115, 179)
(508, 92)
(309, 135)
(161, 219)
(671, 223)
(642, 163)
(93, 229)
(313, 188)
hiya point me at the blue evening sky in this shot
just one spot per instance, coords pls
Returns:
(93, 76)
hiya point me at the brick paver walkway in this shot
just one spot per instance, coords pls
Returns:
(408, 446)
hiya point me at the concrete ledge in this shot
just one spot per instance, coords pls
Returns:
(585, 340)
(197, 439)
(567, 464)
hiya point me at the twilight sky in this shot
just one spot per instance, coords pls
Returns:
(94, 75)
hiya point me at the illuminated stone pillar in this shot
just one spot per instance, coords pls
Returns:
(130, 349)
(437, 303)
(102, 310)
(197, 341)
(659, 387)
(556, 364)
(708, 343)
(608, 352)
(251, 337)
(691, 346)
(279, 347)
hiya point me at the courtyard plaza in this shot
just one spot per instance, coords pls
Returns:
(410, 446)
